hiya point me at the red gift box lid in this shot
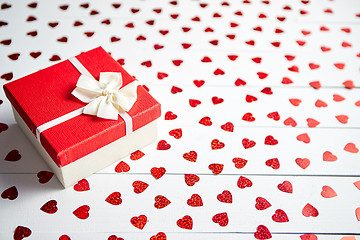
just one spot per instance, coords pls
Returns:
(45, 95)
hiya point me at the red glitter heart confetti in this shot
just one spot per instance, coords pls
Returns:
(329, 157)
(267, 91)
(50, 207)
(194, 102)
(175, 90)
(285, 186)
(328, 192)
(13, 156)
(216, 168)
(274, 115)
(262, 233)
(122, 167)
(225, 197)
(273, 163)
(351, 148)
(114, 198)
(136, 155)
(82, 212)
(290, 122)
(304, 137)
(139, 186)
(244, 182)
(319, 103)
(221, 218)
(195, 201)
(113, 237)
(338, 98)
(239, 162)
(66, 237)
(162, 75)
(3, 127)
(185, 222)
(250, 98)
(199, 83)
(270, 140)
(216, 144)
(248, 143)
(205, 121)
(217, 100)
(310, 211)
(295, 102)
(342, 118)
(21, 232)
(170, 115)
(82, 185)
(190, 156)
(176, 133)
(310, 236)
(262, 203)
(11, 193)
(139, 222)
(315, 84)
(349, 84)
(302, 162)
(159, 236)
(229, 127)
(161, 202)
(280, 216)
(158, 172)
(219, 72)
(191, 179)
(248, 117)
(240, 82)
(163, 145)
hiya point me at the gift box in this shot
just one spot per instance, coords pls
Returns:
(83, 114)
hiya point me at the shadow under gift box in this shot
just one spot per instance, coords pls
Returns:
(82, 145)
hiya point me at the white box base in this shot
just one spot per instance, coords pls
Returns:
(95, 161)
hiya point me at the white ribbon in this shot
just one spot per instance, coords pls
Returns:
(104, 98)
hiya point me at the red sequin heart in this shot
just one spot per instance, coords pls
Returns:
(161, 202)
(248, 143)
(199, 83)
(216, 168)
(351, 147)
(176, 133)
(221, 218)
(229, 127)
(21, 232)
(3, 127)
(82, 212)
(267, 91)
(248, 117)
(270, 140)
(225, 197)
(240, 82)
(239, 162)
(274, 115)
(302, 162)
(280, 216)
(82, 185)
(163, 145)
(185, 222)
(139, 186)
(191, 156)
(342, 118)
(147, 63)
(286, 186)
(194, 102)
(262, 232)
(349, 84)
(170, 115)
(177, 62)
(328, 156)
(159, 236)
(206, 59)
(338, 98)
(319, 103)
(244, 182)
(310, 211)
(218, 71)
(262, 203)
(315, 84)
(273, 163)
(44, 176)
(303, 138)
(139, 222)
(50, 207)
(313, 66)
(217, 100)
(113, 237)
(158, 172)
(310, 236)
(312, 122)
(216, 144)
(195, 201)
(250, 98)
(205, 121)
(290, 122)
(10, 193)
(328, 192)
(122, 167)
(162, 75)
(175, 90)
(191, 179)
(136, 155)
(286, 80)
(114, 198)
(294, 101)
(13, 156)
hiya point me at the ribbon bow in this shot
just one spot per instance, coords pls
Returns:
(105, 98)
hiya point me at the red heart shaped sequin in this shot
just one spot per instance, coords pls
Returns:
(270, 140)
(122, 167)
(82, 212)
(338, 98)
(7, 76)
(205, 121)
(82, 185)
(139, 186)
(139, 222)
(248, 117)
(244, 182)
(13, 156)
(225, 197)
(290, 122)
(21, 232)
(302, 162)
(273, 163)
(195, 201)
(349, 84)
(328, 192)
(158, 172)
(159, 236)
(267, 91)
(315, 84)
(239, 162)
(216, 144)
(185, 222)
(50, 207)
(170, 115)
(310, 211)
(218, 71)
(274, 115)
(114, 198)
(319, 103)
(217, 100)
(262, 203)
(286, 186)
(44, 176)
(248, 143)
(310, 236)
(163, 145)
(221, 218)
(280, 216)
(176, 133)
(329, 157)
(146, 63)
(11, 193)
(312, 122)
(313, 66)
(250, 98)
(342, 118)
(303, 138)
(295, 102)
(199, 83)
(216, 168)
(191, 179)
(229, 127)
(136, 155)
(162, 75)
(351, 147)
(191, 156)
(240, 82)
(262, 233)
(161, 202)
(194, 102)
